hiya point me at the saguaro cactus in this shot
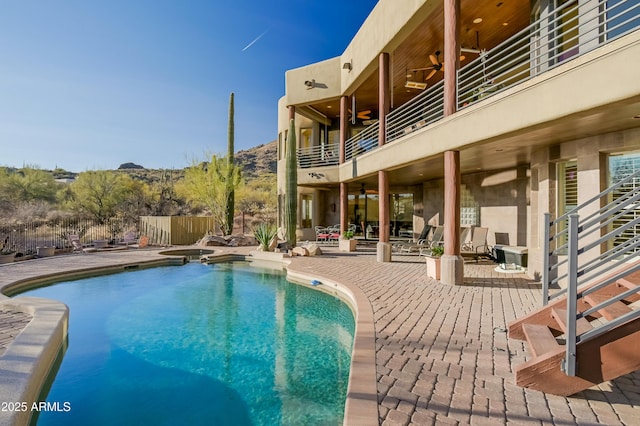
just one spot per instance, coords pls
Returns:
(230, 208)
(291, 187)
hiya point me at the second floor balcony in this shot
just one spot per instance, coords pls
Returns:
(550, 41)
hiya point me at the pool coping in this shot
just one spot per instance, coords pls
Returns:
(29, 359)
(35, 350)
(361, 407)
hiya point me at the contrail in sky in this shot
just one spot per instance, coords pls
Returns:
(256, 39)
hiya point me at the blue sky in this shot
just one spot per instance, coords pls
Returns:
(93, 84)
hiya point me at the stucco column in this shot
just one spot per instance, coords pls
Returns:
(452, 264)
(383, 249)
(344, 206)
(344, 127)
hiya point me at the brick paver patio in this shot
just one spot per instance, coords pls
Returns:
(443, 356)
(442, 352)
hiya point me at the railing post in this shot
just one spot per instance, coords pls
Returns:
(546, 252)
(572, 295)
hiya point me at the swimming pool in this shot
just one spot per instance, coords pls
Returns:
(200, 344)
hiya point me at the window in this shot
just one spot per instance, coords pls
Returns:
(567, 37)
(402, 215)
(567, 193)
(622, 16)
(306, 205)
(621, 166)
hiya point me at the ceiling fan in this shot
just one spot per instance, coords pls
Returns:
(436, 65)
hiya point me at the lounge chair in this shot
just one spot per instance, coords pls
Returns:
(76, 245)
(129, 238)
(478, 245)
(424, 245)
(464, 235)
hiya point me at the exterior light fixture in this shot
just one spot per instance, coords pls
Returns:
(477, 20)
(347, 66)
(310, 84)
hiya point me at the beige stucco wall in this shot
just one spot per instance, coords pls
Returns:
(591, 156)
(502, 197)
(388, 24)
(326, 77)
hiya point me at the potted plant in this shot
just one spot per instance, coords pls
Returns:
(45, 251)
(433, 262)
(7, 254)
(347, 243)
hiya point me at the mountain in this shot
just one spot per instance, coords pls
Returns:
(258, 160)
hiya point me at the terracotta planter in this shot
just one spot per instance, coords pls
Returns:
(45, 251)
(7, 258)
(347, 245)
(433, 267)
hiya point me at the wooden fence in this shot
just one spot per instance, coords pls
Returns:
(175, 230)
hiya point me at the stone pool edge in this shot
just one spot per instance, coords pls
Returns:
(361, 407)
(29, 359)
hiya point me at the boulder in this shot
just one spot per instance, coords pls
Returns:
(212, 240)
(313, 249)
(300, 251)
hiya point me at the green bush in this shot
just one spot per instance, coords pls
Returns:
(437, 251)
(264, 233)
(347, 235)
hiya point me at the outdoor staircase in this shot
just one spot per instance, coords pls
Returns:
(603, 357)
(588, 332)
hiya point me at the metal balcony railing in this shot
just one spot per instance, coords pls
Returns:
(424, 109)
(570, 31)
(564, 34)
(318, 156)
(364, 141)
(596, 245)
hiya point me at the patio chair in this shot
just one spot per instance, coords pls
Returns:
(142, 242)
(129, 238)
(464, 235)
(427, 244)
(334, 233)
(477, 247)
(76, 245)
(322, 234)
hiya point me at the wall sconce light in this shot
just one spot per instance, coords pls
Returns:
(310, 84)
(347, 66)
(333, 207)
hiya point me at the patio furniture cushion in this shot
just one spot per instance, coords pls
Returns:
(511, 254)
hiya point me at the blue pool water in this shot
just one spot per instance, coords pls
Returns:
(224, 344)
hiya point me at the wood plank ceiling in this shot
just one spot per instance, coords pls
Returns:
(499, 21)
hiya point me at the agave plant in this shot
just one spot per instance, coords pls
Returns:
(264, 234)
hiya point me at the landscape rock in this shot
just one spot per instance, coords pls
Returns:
(313, 249)
(226, 241)
(300, 251)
